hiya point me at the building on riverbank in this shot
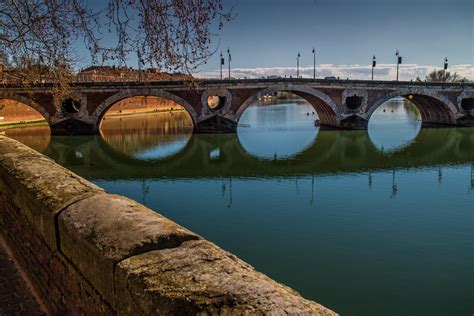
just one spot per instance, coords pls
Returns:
(112, 73)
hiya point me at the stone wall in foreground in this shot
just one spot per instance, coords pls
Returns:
(89, 252)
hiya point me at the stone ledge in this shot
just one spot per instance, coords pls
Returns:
(109, 229)
(38, 186)
(200, 278)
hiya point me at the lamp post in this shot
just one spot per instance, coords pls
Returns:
(139, 65)
(298, 65)
(445, 63)
(230, 59)
(314, 63)
(221, 63)
(399, 60)
(374, 63)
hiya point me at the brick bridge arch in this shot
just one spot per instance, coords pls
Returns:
(21, 99)
(433, 107)
(328, 111)
(111, 101)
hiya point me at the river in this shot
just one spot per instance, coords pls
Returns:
(376, 222)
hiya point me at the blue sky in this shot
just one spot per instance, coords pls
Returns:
(269, 33)
(266, 35)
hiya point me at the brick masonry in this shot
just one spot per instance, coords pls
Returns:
(55, 279)
(15, 296)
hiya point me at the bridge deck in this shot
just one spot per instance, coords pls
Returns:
(252, 82)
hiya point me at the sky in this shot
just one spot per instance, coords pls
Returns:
(265, 37)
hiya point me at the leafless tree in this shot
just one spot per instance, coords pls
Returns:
(40, 38)
(444, 76)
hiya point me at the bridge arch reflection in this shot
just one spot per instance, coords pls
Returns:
(394, 125)
(277, 131)
(332, 152)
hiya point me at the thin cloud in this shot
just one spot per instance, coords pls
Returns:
(362, 72)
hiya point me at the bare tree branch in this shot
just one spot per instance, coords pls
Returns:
(39, 38)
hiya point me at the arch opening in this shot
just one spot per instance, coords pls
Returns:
(215, 102)
(146, 127)
(24, 123)
(70, 106)
(468, 106)
(434, 109)
(394, 125)
(326, 109)
(354, 102)
(277, 125)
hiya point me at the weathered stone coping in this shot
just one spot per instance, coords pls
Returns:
(134, 260)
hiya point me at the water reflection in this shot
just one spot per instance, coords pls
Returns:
(224, 156)
(277, 131)
(36, 137)
(148, 136)
(394, 125)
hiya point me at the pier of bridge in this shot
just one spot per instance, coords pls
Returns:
(343, 104)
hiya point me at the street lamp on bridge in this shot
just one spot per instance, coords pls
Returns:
(314, 63)
(298, 65)
(230, 59)
(374, 63)
(399, 60)
(221, 63)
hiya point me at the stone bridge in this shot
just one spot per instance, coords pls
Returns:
(345, 104)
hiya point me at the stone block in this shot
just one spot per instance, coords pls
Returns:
(38, 186)
(199, 278)
(98, 232)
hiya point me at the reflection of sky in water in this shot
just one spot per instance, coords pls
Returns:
(277, 131)
(393, 127)
(164, 149)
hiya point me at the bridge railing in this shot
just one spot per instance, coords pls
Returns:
(255, 81)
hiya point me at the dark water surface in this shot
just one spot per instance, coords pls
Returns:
(377, 222)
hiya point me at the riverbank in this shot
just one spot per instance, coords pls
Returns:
(22, 123)
(142, 112)
(41, 122)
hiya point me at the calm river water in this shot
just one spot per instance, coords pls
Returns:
(376, 222)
